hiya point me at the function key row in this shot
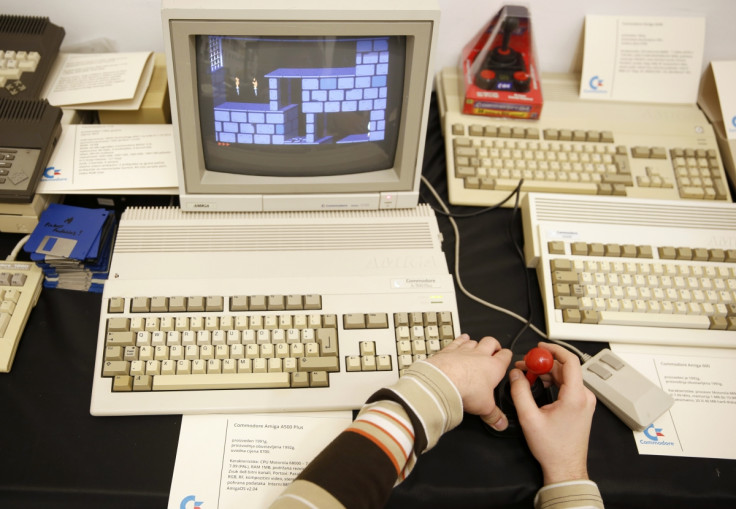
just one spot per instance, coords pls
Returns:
(532, 133)
(179, 304)
(492, 131)
(600, 249)
(634, 251)
(697, 254)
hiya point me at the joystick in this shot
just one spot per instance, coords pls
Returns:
(504, 67)
(538, 362)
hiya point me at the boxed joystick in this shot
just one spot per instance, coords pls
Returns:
(499, 69)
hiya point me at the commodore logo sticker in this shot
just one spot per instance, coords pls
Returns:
(655, 437)
(51, 172)
(653, 433)
(196, 504)
(595, 85)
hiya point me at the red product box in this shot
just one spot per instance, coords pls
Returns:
(499, 68)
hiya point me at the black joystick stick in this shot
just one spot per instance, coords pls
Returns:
(503, 55)
(538, 362)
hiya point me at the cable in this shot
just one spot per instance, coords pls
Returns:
(457, 264)
(526, 321)
(446, 212)
(14, 253)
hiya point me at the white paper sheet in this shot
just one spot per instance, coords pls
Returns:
(111, 157)
(237, 461)
(111, 81)
(703, 383)
(724, 73)
(642, 59)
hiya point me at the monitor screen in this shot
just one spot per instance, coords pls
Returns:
(299, 104)
(291, 106)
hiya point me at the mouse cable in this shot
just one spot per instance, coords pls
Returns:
(527, 323)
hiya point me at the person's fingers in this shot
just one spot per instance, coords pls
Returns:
(505, 355)
(457, 342)
(567, 365)
(521, 393)
(490, 344)
(496, 419)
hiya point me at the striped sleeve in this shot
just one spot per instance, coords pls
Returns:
(361, 466)
(432, 402)
(582, 494)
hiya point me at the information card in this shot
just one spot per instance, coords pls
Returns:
(236, 461)
(702, 383)
(642, 59)
(111, 158)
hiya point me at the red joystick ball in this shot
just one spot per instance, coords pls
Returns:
(538, 362)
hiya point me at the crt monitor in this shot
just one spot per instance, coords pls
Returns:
(299, 104)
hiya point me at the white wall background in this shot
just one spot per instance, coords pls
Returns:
(134, 25)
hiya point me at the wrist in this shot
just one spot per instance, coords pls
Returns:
(557, 475)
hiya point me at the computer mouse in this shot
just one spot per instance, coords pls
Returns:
(539, 361)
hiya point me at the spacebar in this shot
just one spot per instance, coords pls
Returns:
(220, 381)
(547, 186)
(653, 320)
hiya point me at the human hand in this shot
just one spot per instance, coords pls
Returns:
(475, 369)
(557, 433)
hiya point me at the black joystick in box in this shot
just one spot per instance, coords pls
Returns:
(500, 75)
(504, 67)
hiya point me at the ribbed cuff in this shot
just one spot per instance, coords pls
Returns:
(433, 403)
(569, 495)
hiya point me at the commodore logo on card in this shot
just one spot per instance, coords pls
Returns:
(655, 436)
(51, 172)
(191, 498)
(595, 85)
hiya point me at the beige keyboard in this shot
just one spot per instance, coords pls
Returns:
(634, 271)
(278, 350)
(20, 287)
(580, 147)
(193, 354)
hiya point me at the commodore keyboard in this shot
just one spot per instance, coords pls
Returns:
(20, 287)
(660, 151)
(255, 312)
(624, 270)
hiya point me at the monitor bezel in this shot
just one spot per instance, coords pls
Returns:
(403, 176)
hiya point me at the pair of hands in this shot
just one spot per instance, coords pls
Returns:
(558, 433)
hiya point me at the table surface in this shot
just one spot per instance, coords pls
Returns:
(54, 453)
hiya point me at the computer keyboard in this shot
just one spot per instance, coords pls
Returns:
(28, 48)
(634, 271)
(252, 312)
(263, 351)
(20, 287)
(580, 147)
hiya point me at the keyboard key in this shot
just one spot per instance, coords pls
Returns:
(654, 320)
(221, 381)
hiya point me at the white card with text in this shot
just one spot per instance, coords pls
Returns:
(642, 59)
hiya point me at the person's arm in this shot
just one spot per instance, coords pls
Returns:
(361, 466)
(558, 433)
